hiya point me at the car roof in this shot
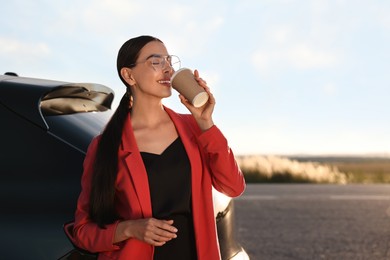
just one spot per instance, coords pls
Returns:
(24, 95)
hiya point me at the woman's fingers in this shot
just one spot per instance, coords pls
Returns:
(158, 232)
(165, 231)
(200, 81)
(168, 225)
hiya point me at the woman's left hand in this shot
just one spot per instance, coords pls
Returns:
(203, 114)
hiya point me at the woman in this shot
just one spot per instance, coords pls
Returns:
(147, 181)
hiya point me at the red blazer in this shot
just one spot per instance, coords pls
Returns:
(212, 164)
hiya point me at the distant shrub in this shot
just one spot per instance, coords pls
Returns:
(365, 170)
(276, 169)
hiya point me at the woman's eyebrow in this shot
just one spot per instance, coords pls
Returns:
(154, 55)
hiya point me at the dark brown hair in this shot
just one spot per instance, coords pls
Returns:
(102, 198)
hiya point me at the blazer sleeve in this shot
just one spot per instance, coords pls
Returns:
(225, 172)
(87, 234)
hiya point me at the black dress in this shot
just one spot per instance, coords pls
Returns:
(169, 175)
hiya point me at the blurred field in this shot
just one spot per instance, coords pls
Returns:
(315, 169)
(358, 169)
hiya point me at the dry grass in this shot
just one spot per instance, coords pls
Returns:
(366, 171)
(310, 169)
(259, 168)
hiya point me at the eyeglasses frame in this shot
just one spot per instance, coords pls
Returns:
(165, 61)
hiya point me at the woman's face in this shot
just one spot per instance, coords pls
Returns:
(150, 77)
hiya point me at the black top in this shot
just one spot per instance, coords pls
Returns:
(169, 175)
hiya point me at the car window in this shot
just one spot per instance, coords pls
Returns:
(78, 129)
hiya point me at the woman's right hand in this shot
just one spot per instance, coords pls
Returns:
(150, 230)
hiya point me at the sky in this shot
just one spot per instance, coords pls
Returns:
(308, 77)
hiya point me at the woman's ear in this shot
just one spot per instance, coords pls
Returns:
(127, 76)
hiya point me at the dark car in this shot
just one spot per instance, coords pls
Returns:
(46, 127)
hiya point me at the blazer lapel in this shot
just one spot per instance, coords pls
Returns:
(136, 169)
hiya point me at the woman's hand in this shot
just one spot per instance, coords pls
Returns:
(203, 114)
(150, 230)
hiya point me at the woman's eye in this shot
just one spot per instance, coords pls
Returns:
(156, 61)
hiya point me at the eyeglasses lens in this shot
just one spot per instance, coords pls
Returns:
(161, 62)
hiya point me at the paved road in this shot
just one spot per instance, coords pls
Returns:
(283, 222)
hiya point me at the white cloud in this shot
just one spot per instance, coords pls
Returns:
(10, 46)
(280, 35)
(330, 89)
(288, 46)
(184, 27)
(270, 61)
(191, 36)
(303, 56)
(107, 16)
(382, 16)
(23, 57)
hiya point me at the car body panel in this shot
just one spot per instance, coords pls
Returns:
(40, 167)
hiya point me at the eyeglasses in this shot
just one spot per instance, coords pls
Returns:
(159, 62)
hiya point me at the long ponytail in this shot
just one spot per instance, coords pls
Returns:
(102, 198)
(102, 209)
